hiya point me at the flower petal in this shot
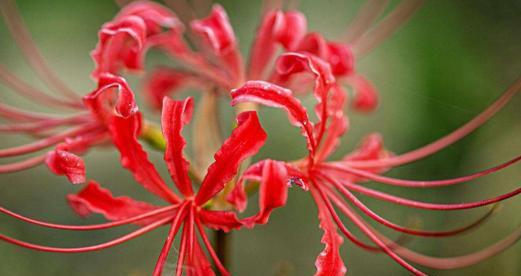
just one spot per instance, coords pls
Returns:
(124, 135)
(275, 96)
(156, 16)
(165, 81)
(273, 191)
(220, 220)
(245, 140)
(121, 45)
(217, 34)
(113, 96)
(329, 262)
(371, 148)
(286, 28)
(216, 31)
(366, 96)
(94, 199)
(175, 115)
(62, 162)
(338, 123)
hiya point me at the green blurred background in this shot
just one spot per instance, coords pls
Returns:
(437, 72)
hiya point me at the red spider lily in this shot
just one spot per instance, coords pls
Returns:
(187, 210)
(217, 64)
(121, 46)
(328, 181)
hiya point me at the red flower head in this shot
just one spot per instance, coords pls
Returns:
(122, 44)
(187, 210)
(329, 181)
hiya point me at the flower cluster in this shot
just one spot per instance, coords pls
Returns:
(212, 187)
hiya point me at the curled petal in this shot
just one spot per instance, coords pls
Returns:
(337, 126)
(276, 27)
(113, 95)
(121, 45)
(366, 96)
(273, 191)
(220, 220)
(371, 148)
(244, 142)
(293, 63)
(217, 34)
(65, 163)
(124, 136)
(156, 16)
(339, 56)
(94, 199)
(329, 262)
(163, 82)
(175, 115)
(289, 28)
(341, 59)
(216, 31)
(275, 96)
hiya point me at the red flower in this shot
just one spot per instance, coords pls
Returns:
(122, 45)
(187, 209)
(328, 181)
(216, 64)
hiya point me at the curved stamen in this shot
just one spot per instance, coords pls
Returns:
(22, 165)
(30, 51)
(401, 14)
(182, 253)
(176, 224)
(364, 18)
(450, 262)
(366, 230)
(46, 142)
(421, 204)
(31, 93)
(350, 235)
(210, 249)
(16, 114)
(352, 198)
(447, 140)
(122, 239)
(88, 227)
(464, 260)
(337, 167)
(43, 125)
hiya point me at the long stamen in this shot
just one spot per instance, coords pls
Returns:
(369, 12)
(22, 165)
(31, 53)
(367, 231)
(352, 198)
(348, 233)
(137, 233)
(447, 140)
(416, 183)
(386, 27)
(461, 261)
(421, 204)
(182, 253)
(88, 227)
(43, 125)
(46, 142)
(450, 262)
(16, 114)
(158, 270)
(210, 249)
(32, 93)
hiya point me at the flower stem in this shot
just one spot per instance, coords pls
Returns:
(223, 247)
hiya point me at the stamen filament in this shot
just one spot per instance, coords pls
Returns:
(122, 239)
(447, 140)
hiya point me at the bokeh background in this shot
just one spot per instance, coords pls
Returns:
(437, 72)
